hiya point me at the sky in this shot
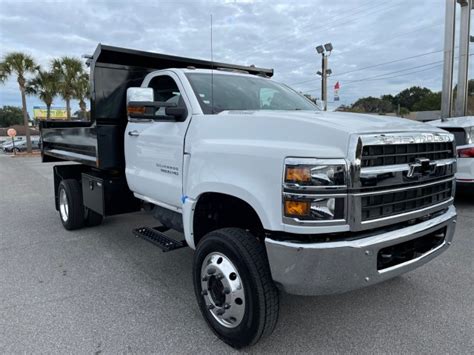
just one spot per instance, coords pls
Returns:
(282, 35)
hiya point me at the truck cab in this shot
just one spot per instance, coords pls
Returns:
(272, 193)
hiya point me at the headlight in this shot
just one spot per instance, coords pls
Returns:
(314, 190)
(318, 208)
(315, 172)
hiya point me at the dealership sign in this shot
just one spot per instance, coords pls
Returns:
(56, 113)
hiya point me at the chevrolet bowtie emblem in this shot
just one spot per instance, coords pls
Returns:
(421, 166)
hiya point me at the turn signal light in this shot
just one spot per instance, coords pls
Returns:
(466, 153)
(136, 110)
(298, 174)
(297, 208)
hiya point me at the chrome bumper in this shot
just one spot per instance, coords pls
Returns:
(336, 267)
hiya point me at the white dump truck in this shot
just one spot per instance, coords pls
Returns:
(271, 193)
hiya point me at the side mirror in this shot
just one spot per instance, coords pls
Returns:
(179, 113)
(140, 94)
(140, 104)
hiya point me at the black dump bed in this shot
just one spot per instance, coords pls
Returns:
(99, 143)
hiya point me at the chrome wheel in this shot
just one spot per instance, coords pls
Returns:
(63, 205)
(223, 290)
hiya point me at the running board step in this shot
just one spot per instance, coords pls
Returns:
(157, 237)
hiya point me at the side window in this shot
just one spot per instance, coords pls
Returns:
(165, 89)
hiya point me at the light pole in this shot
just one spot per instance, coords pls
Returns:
(325, 52)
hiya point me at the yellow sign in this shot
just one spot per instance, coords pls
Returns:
(56, 113)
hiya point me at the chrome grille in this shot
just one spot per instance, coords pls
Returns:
(396, 177)
(381, 155)
(392, 203)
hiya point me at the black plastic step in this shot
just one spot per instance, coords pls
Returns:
(158, 238)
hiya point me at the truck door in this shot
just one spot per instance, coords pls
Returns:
(154, 148)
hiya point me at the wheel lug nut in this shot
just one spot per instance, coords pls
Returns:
(220, 312)
(204, 292)
(211, 271)
(211, 306)
(226, 306)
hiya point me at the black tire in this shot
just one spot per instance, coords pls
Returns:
(92, 219)
(74, 219)
(249, 257)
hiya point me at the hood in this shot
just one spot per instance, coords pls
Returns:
(341, 121)
(294, 133)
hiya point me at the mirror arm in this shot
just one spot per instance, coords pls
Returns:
(154, 104)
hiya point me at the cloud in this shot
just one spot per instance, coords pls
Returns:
(280, 34)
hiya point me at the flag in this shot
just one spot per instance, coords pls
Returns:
(336, 91)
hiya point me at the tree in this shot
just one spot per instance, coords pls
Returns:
(69, 70)
(10, 115)
(372, 105)
(81, 93)
(45, 85)
(408, 97)
(19, 64)
(429, 102)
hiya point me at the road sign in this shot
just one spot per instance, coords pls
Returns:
(11, 132)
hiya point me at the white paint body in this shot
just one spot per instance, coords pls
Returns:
(239, 153)
(465, 166)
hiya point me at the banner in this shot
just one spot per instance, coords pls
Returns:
(56, 113)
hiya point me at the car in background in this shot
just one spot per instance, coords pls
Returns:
(20, 145)
(8, 141)
(463, 130)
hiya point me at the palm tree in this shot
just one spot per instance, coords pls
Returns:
(45, 86)
(19, 64)
(69, 69)
(82, 92)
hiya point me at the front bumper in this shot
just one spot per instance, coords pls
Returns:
(336, 267)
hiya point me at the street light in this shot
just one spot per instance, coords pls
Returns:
(328, 47)
(325, 51)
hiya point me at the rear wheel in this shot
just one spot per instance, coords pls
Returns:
(71, 209)
(234, 288)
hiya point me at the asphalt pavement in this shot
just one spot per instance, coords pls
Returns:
(101, 290)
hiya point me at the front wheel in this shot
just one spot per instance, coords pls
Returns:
(234, 288)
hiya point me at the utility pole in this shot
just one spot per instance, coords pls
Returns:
(464, 37)
(460, 108)
(447, 91)
(324, 82)
(325, 52)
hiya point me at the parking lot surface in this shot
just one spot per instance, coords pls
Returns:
(101, 290)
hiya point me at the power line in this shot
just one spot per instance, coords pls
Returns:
(399, 75)
(350, 13)
(279, 38)
(434, 65)
(373, 66)
(394, 72)
(381, 76)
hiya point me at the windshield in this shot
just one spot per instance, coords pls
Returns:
(235, 92)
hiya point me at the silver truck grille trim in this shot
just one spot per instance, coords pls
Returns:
(404, 188)
(426, 193)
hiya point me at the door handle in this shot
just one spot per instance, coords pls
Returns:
(133, 133)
